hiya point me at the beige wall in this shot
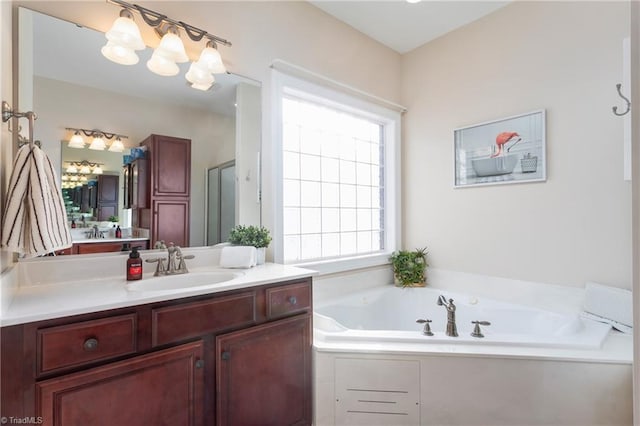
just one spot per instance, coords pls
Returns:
(565, 57)
(61, 105)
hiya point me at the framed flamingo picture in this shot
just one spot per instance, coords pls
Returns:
(508, 150)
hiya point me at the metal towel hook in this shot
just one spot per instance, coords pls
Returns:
(615, 108)
(8, 113)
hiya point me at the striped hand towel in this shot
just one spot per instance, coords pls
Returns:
(35, 219)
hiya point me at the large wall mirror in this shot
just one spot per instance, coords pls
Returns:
(64, 78)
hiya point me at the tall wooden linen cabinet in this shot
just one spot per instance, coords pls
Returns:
(161, 189)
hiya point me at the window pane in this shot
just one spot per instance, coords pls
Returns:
(291, 221)
(333, 176)
(310, 220)
(311, 246)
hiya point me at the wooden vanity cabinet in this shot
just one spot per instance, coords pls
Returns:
(240, 357)
(163, 190)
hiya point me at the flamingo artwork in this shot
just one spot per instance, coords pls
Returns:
(502, 139)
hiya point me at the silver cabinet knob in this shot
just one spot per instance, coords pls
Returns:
(90, 344)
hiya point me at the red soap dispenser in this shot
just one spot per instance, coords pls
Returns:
(134, 265)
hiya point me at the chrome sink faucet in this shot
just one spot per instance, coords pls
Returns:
(451, 315)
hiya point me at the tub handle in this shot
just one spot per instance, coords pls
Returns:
(427, 326)
(476, 330)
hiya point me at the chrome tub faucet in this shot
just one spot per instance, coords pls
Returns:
(451, 315)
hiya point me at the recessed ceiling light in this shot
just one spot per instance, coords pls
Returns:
(413, 1)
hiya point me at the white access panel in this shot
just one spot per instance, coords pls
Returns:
(377, 392)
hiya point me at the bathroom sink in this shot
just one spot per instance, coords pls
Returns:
(182, 282)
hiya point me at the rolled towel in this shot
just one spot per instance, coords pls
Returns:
(609, 304)
(238, 257)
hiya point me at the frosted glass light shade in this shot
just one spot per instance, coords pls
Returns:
(83, 179)
(171, 47)
(74, 178)
(76, 141)
(161, 65)
(72, 169)
(98, 144)
(97, 170)
(119, 54)
(124, 32)
(117, 146)
(199, 75)
(211, 58)
(85, 170)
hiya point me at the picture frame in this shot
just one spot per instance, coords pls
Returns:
(503, 151)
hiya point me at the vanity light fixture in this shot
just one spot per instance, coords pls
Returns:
(98, 143)
(85, 168)
(171, 49)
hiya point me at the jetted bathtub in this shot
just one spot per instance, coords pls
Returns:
(389, 314)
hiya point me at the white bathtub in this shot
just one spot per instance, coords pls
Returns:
(389, 314)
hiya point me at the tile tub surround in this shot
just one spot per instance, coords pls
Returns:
(69, 285)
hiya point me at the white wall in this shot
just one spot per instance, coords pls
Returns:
(565, 57)
(61, 105)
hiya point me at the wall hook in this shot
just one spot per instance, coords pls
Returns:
(615, 108)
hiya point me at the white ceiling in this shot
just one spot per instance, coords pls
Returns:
(404, 26)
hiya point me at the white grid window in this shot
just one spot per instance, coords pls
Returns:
(333, 182)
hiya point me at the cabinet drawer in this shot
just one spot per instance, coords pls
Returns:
(288, 299)
(179, 322)
(88, 341)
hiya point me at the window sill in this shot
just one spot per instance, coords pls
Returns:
(335, 266)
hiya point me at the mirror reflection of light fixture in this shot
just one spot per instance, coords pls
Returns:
(171, 48)
(199, 76)
(74, 178)
(117, 145)
(123, 39)
(76, 140)
(64, 177)
(85, 168)
(83, 178)
(98, 142)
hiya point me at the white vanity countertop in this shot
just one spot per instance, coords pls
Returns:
(41, 302)
(106, 240)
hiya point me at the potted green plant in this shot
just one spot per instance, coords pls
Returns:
(409, 267)
(256, 236)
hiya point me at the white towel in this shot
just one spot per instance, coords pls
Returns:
(35, 219)
(238, 257)
(609, 304)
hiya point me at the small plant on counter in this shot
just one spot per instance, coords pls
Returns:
(256, 236)
(409, 267)
(113, 218)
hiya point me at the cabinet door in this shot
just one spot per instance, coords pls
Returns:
(171, 169)
(160, 388)
(170, 222)
(263, 374)
(108, 189)
(139, 182)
